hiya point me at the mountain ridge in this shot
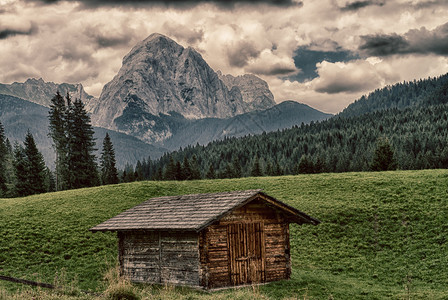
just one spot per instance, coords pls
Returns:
(40, 92)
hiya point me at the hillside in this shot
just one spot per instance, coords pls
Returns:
(423, 92)
(284, 115)
(417, 132)
(382, 234)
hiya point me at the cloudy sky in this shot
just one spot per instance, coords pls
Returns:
(325, 53)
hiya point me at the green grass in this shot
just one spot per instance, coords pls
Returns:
(383, 235)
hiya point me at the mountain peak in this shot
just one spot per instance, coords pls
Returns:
(35, 81)
(159, 76)
(156, 36)
(154, 46)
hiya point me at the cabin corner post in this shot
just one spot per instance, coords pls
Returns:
(203, 260)
(120, 252)
(287, 252)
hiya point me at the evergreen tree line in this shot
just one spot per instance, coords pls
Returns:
(402, 126)
(410, 138)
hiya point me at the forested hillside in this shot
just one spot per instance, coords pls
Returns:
(416, 93)
(411, 117)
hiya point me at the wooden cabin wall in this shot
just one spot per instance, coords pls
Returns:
(160, 257)
(214, 245)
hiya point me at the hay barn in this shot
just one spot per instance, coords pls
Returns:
(206, 240)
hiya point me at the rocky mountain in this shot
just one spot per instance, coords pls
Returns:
(254, 90)
(18, 116)
(41, 92)
(159, 76)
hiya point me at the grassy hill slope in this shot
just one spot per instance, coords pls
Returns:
(383, 235)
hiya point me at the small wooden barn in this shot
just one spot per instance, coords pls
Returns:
(206, 240)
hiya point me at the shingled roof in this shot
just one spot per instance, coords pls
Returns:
(192, 212)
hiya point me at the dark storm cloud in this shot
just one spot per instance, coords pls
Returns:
(240, 54)
(272, 70)
(175, 3)
(416, 41)
(354, 6)
(342, 86)
(106, 42)
(428, 4)
(383, 45)
(10, 32)
(306, 60)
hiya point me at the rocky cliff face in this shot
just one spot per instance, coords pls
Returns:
(41, 92)
(254, 90)
(159, 77)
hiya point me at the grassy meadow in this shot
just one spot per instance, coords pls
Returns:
(383, 235)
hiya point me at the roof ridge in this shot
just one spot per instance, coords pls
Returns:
(189, 212)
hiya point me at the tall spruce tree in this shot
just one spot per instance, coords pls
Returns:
(109, 173)
(22, 184)
(74, 143)
(3, 161)
(36, 169)
(29, 167)
(81, 147)
(58, 133)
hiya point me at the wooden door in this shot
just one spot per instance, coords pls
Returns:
(246, 253)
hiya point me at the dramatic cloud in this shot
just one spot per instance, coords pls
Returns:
(7, 31)
(347, 77)
(176, 3)
(109, 38)
(356, 5)
(323, 53)
(241, 52)
(417, 41)
(306, 60)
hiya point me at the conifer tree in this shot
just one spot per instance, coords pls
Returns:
(73, 141)
(36, 169)
(58, 133)
(81, 147)
(139, 172)
(109, 173)
(383, 157)
(195, 171)
(211, 172)
(305, 165)
(186, 169)
(22, 187)
(170, 172)
(256, 168)
(236, 166)
(3, 161)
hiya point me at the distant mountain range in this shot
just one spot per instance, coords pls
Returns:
(164, 97)
(41, 92)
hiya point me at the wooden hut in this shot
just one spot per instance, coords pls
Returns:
(206, 240)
